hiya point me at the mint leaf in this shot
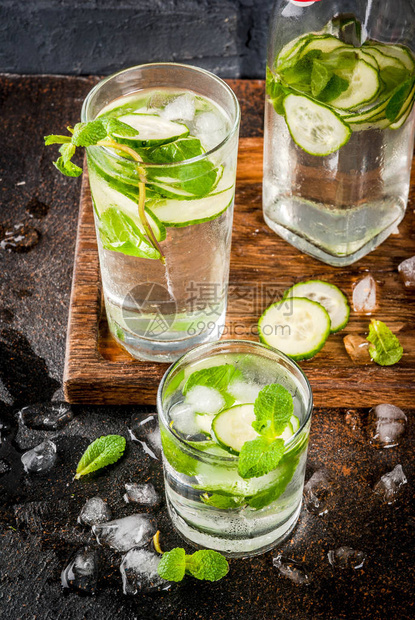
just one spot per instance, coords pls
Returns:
(88, 134)
(218, 377)
(207, 564)
(276, 92)
(55, 139)
(67, 168)
(385, 348)
(223, 501)
(320, 77)
(179, 150)
(397, 100)
(119, 233)
(273, 409)
(285, 469)
(114, 126)
(172, 565)
(67, 151)
(336, 86)
(259, 456)
(102, 452)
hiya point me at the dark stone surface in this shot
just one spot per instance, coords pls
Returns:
(38, 514)
(101, 36)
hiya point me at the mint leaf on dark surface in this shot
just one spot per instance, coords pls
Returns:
(55, 139)
(67, 168)
(88, 134)
(102, 452)
(385, 348)
(172, 565)
(207, 565)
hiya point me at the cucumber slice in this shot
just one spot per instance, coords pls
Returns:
(399, 52)
(291, 48)
(382, 59)
(314, 127)
(402, 119)
(364, 85)
(299, 334)
(151, 130)
(204, 422)
(329, 296)
(325, 43)
(233, 427)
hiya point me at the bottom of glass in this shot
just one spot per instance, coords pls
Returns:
(233, 547)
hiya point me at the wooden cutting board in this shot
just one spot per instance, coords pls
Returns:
(98, 371)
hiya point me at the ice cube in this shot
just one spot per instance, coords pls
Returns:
(244, 392)
(124, 534)
(317, 492)
(147, 433)
(346, 558)
(386, 425)
(139, 572)
(389, 486)
(141, 494)
(210, 129)
(46, 416)
(94, 511)
(184, 420)
(40, 459)
(364, 295)
(291, 569)
(407, 272)
(357, 348)
(82, 571)
(205, 399)
(181, 108)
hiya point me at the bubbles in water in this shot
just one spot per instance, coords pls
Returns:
(4, 467)
(146, 432)
(364, 295)
(82, 571)
(124, 534)
(181, 108)
(141, 494)
(407, 272)
(205, 399)
(317, 492)
(19, 238)
(386, 425)
(46, 416)
(389, 486)
(291, 569)
(40, 459)
(94, 511)
(346, 558)
(139, 572)
(357, 348)
(244, 392)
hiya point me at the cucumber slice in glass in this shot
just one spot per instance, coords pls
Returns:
(364, 85)
(151, 130)
(329, 296)
(314, 127)
(178, 213)
(299, 333)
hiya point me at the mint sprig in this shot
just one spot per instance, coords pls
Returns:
(104, 451)
(385, 348)
(273, 409)
(217, 377)
(204, 565)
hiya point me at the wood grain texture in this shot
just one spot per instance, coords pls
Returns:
(98, 371)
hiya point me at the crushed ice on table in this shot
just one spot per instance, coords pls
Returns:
(124, 534)
(4, 467)
(181, 108)
(19, 238)
(40, 459)
(205, 399)
(94, 511)
(357, 348)
(317, 491)
(346, 558)
(141, 494)
(407, 272)
(46, 416)
(139, 572)
(389, 486)
(146, 432)
(364, 295)
(244, 392)
(82, 571)
(295, 571)
(386, 424)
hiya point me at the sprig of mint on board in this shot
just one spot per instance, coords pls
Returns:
(100, 132)
(273, 409)
(104, 451)
(385, 348)
(204, 565)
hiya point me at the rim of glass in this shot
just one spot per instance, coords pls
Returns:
(211, 76)
(256, 345)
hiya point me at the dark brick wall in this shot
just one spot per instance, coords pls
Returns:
(227, 37)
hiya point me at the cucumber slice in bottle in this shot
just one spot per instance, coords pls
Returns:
(400, 52)
(151, 130)
(329, 296)
(364, 85)
(314, 127)
(300, 333)
(404, 115)
(232, 427)
(383, 60)
(325, 43)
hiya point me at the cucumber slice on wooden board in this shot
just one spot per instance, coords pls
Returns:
(314, 127)
(151, 130)
(329, 296)
(300, 332)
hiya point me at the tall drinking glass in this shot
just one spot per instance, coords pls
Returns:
(163, 205)
(209, 503)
